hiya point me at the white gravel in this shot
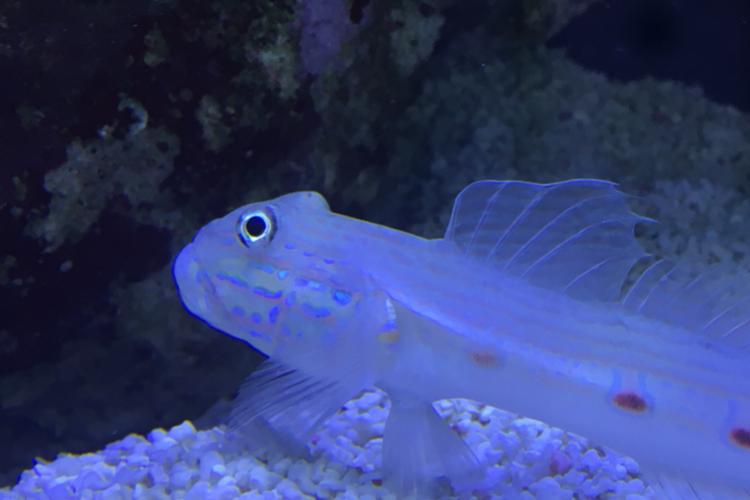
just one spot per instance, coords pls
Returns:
(526, 459)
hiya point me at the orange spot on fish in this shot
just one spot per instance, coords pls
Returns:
(740, 436)
(389, 337)
(630, 401)
(484, 359)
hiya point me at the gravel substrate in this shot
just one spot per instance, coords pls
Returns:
(526, 459)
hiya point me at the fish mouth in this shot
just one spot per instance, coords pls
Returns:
(191, 280)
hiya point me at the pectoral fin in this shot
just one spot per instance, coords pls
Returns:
(279, 407)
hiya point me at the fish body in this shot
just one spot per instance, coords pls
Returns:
(519, 306)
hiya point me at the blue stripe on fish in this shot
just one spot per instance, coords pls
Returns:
(273, 314)
(256, 317)
(266, 268)
(259, 335)
(266, 293)
(342, 297)
(315, 312)
(315, 285)
(304, 282)
(232, 279)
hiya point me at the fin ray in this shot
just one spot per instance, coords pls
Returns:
(418, 447)
(709, 303)
(281, 407)
(557, 235)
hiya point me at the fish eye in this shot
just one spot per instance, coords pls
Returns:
(255, 226)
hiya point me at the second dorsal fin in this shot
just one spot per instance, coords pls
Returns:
(574, 236)
(712, 303)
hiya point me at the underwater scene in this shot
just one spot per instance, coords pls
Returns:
(375, 249)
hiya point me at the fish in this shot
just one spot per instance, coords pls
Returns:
(538, 300)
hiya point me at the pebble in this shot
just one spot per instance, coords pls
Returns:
(183, 462)
(591, 460)
(183, 431)
(548, 488)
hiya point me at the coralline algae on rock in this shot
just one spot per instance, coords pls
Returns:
(97, 172)
(525, 459)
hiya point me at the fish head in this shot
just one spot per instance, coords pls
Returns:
(267, 273)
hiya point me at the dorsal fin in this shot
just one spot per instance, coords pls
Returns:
(577, 237)
(709, 303)
(574, 236)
